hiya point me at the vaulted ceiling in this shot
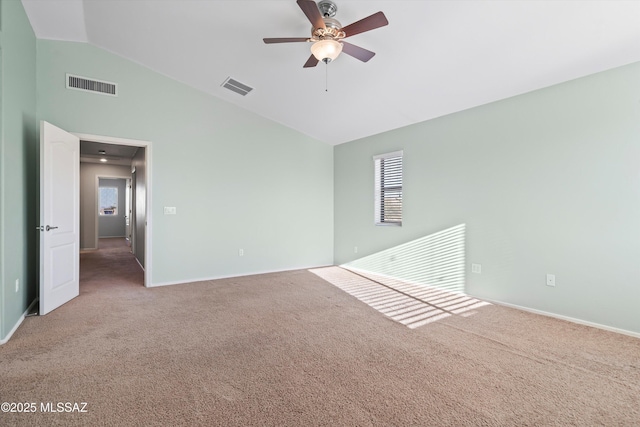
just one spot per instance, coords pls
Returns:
(434, 58)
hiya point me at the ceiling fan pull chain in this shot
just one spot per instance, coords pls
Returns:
(326, 77)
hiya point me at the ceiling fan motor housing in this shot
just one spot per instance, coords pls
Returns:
(333, 27)
(332, 30)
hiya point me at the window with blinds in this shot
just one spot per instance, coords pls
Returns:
(388, 188)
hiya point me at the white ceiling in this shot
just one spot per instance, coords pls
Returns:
(434, 58)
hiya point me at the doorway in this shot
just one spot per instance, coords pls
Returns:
(60, 222)
(119, 170)
(112, 207)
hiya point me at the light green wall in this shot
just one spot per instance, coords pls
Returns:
(546, 182)
(237, 180)
(18, 162)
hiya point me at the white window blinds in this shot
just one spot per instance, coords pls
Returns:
(388, 188)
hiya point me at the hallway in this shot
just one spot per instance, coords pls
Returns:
(111, 267)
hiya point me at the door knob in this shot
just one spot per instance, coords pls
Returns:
(50, 228)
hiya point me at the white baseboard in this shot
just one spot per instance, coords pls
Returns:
(386, 276)
(567, 318)
(139, 263)
(253, 273)
(518, 307)
(18, 323)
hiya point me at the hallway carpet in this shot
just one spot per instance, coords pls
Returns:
(111, 266)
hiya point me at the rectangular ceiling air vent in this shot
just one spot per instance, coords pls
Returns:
(91, 85)
(236, 86)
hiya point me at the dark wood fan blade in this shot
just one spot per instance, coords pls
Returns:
(311, 62)
(372, 22)
(357, 52)
(285, 40)
(310, 9)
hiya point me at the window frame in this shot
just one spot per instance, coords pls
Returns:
(378, 163)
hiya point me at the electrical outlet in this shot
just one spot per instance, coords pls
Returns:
(476, 268)
(240, 252)
(355, 249)
(170, 210)
(551, 279)
(17, 285)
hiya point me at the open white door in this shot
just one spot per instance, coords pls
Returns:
(59, 217)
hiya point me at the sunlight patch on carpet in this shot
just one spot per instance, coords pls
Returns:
(411, 304)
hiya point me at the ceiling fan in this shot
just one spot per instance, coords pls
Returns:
(327, 33)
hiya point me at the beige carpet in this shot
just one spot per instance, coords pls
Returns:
(292, 349)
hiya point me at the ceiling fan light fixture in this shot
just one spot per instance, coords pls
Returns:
(326, 50)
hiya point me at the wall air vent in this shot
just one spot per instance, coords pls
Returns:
(91, 85)
(236, 86)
